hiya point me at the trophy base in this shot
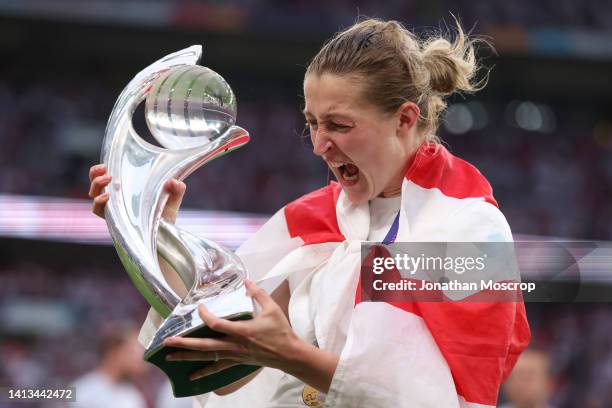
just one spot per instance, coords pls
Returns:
(179, 371)
(185, 321)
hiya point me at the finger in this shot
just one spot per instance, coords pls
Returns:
(202, 356)
(97, 170)
(99, 203)
(211, 369)
(260, 295)
(98, 184)
(221, 325)
(176, 191)
(203, 344)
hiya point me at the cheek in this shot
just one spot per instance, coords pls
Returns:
(376, 154)
(383, 163)
(361, 147)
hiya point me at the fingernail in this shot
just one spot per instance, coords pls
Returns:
(197, 376)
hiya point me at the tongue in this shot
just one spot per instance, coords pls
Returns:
(350, 169)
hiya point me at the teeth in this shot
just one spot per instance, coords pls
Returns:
(336, 164)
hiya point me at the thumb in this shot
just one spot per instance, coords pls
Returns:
(176, 190)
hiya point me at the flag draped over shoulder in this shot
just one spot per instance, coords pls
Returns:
(400, 354)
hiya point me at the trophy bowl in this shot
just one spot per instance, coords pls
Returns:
(190, 111)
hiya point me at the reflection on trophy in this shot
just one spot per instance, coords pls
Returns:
(190, 111)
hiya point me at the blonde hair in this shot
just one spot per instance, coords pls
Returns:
(396, 66)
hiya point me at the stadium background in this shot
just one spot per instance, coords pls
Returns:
(541, 132)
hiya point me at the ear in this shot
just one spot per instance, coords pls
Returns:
(408, 115)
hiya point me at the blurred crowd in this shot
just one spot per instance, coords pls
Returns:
(68, 323)
(69, 296)
(555, 183)
(300, 15)
(588, 14)
(578, 353)
(52, 133)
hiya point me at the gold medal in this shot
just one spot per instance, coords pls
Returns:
(310, 397)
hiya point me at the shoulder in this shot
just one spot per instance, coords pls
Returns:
(448, 192)
(434, 167)
(479, 221)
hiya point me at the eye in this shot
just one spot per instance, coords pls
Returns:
(312, 125)
(339, 127)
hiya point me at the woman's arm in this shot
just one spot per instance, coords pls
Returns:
(312, 365)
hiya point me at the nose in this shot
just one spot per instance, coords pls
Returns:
(321, 143)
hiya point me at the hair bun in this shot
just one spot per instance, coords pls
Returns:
(451, 66)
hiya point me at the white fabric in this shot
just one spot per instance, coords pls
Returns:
(373, 370)
(387, 356)
(306, 300)
(367, 376)
(382, 214)
(96, 390)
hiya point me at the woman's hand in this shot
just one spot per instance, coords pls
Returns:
(266, 340)
(99, 179)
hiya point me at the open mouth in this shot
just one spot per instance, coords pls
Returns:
(349, 173)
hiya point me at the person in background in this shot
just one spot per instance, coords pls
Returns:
(530, 384)
(110, 384)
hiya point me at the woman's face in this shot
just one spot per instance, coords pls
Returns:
(365, 149)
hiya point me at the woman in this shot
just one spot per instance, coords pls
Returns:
(373, 97)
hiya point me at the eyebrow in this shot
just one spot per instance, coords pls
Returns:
(328, 115)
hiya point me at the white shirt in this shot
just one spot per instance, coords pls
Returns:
(166, 399)
(96, 390)
(382, 214)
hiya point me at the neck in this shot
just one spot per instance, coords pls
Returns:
(392, 192)
(394, 188)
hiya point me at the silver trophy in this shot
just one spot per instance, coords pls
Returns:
(190, 111)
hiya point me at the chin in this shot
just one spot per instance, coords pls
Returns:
(360, 193)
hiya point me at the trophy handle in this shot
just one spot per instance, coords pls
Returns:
(206, 268)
